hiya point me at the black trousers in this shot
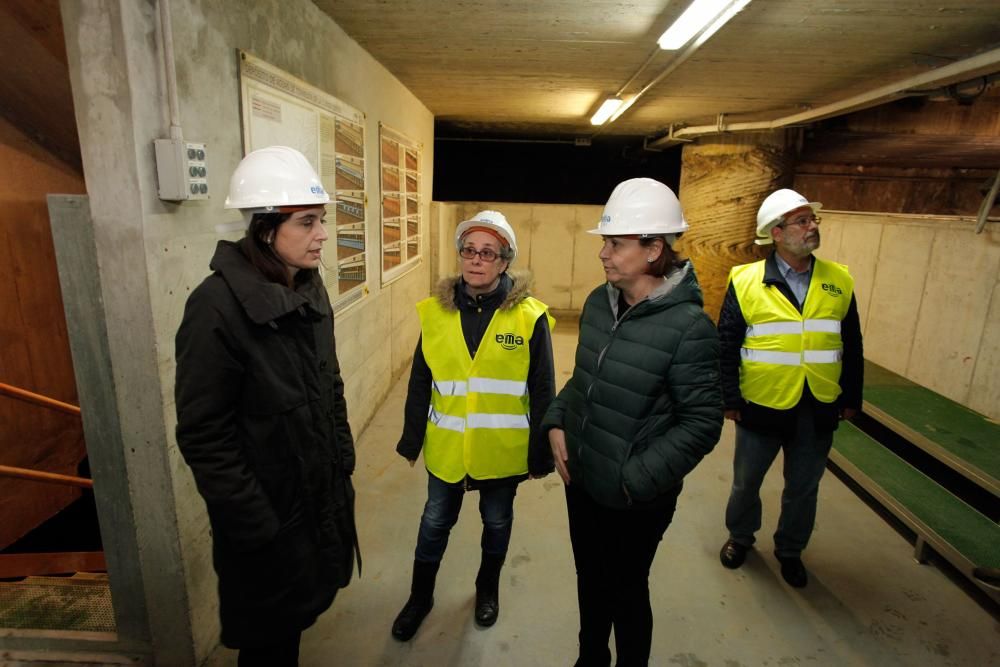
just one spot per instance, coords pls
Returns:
(613, 550)
(284, 652)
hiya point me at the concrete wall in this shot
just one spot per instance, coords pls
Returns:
(552, 243)
(928, 290)
(153, 252)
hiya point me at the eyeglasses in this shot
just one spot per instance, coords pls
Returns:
(488, 255)
(802, 222)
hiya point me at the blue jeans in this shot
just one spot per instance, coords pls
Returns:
(444, 501)
(806, 452)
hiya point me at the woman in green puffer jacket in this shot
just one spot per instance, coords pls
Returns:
(642, 408)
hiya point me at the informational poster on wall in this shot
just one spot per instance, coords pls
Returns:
(279, 109)
(401, 220)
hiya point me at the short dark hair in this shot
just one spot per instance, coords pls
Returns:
(258, 249)
(668, 259)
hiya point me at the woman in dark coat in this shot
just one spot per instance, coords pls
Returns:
(641, 410)
(261, 417)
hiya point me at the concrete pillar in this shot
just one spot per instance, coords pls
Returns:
(724, 179)
(113, 65)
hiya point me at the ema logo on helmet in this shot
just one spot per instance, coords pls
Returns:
(509, 341)
(316, 189)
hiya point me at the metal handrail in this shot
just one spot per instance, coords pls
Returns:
(46, 477)
(38, 475)
(38, 399)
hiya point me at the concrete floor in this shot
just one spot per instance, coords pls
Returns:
(868, 602)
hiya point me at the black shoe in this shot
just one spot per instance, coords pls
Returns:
(410, 618)
(488, 590)
(733, 554)
(793, 571)
(487, 608)
(420, 603)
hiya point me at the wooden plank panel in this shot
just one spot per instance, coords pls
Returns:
(953, 315)
(34, 347)
(896, 295)
(984, 392)
(552, 241)
(32, 564)
(587, 270)
(859, 248)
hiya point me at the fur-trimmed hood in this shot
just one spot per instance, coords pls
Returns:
(521, 282)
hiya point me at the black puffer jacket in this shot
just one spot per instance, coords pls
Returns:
(643, 406)
(261, 420)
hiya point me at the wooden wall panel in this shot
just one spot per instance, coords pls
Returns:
(896, 295)
(858, 248)
(984, 392)
(553, 235)
(588, 272)
(955, 304)
(34, 347)
(934, 315)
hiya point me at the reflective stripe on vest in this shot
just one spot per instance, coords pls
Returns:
(477, 424)
(783, 348)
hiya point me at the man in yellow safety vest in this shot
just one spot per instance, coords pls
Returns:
(792, 366)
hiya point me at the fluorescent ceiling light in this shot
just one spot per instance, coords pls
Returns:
(604, 112)
(623, 108)
(733, 10)
(698, 15)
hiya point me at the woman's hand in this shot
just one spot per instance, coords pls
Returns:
(557, 441)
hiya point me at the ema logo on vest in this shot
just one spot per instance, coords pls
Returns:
(509, 341)
(832, 289)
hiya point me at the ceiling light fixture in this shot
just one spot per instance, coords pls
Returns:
(698, 15)
(678, 37)
(732, 11)
(605, 111)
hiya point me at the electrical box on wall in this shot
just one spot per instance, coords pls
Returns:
(181, 169)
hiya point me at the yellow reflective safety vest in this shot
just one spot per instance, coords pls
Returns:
(784, 348)
(477, 424)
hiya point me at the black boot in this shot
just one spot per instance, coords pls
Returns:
(420, 602)
(487, 590)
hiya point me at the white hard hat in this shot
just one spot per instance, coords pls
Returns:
(641, 206)
(774, 208)
(491, 220)
(272, 177)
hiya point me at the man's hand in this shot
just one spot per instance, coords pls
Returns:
(847, 413)
(733, 414)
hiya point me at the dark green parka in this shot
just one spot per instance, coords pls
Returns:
(261, 420)
(644, 404)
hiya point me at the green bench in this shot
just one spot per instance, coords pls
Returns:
(964, 440)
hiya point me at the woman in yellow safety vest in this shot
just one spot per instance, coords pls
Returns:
(482, 378)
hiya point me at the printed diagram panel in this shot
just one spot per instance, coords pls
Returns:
(350, 204)
(401, 201)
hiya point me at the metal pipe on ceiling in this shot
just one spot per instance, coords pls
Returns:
(974, 66)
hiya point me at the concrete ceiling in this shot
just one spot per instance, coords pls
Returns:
(541, 67)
